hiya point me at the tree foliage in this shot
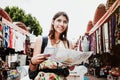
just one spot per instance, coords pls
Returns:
(18, 14)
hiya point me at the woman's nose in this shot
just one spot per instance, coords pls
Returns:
(61, 23)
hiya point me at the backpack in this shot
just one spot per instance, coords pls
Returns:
(45, 41)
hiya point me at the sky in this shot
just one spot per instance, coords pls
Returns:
(80, 12)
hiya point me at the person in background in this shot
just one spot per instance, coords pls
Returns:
(97, 66)
(40, 67)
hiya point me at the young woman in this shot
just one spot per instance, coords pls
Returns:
(42, 69)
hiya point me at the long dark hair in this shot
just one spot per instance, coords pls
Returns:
(51, 34)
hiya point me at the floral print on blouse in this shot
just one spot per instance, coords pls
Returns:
(48, 76)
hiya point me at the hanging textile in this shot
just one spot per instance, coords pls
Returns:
(19, 41)
(10, 38)
(85, 43)
(113, 29)
(6, 36)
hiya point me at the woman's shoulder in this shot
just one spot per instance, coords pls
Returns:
(38, 38)
(41, 39)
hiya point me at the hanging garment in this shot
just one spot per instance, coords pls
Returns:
(85, 44)
(6, 36)
(19, 41)
(1, 28)
(10, 38)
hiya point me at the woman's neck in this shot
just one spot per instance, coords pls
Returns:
(56, 40)
(57, 36)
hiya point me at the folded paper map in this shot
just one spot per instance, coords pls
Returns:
(67, 56)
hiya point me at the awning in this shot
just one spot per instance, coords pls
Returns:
(105, 16)
(15, 27)
(21, 25)
(4, 14)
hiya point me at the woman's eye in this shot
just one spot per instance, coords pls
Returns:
(65, 22)
(59, 20)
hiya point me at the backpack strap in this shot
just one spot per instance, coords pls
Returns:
(68, 43)
(44, 43)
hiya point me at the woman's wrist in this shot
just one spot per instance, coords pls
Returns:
(32, 63)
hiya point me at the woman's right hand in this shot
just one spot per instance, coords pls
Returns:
(39, 58)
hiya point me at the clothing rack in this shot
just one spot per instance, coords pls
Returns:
(14, 27)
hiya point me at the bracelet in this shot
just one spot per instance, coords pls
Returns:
(32, 63)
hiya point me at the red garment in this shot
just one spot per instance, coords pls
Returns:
(1, 28)
(10, 38)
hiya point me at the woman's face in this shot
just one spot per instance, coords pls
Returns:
(60, 24)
